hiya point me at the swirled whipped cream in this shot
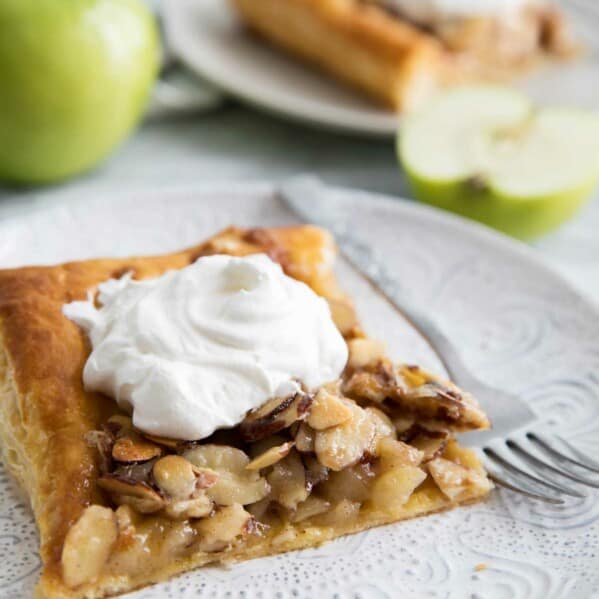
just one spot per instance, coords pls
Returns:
(193, 350)
(427, 12)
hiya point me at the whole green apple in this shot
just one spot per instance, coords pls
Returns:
(74, 78)
(489, 154)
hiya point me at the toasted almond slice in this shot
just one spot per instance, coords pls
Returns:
(304, 438)
(132, 447)
(88, 544)
(328, 410)
(364, 351)
(270, 456)
(128, 491)
(275, 415)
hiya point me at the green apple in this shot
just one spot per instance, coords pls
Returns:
(489, 154)
(74, 79)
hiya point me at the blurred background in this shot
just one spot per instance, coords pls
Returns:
(263, 116)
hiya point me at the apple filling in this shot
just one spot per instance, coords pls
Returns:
(306, 464)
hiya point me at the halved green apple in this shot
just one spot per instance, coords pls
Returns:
(488, 153)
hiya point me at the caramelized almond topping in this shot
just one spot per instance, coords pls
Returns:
(270, 456)
(134, 448)
(275, 415)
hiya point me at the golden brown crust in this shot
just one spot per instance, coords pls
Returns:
(395, 61)
(44, 411)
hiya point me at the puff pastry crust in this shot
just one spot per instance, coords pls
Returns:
(45, 413)
(396, 61)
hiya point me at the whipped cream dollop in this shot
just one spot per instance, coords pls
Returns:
(427, 12)
(193, 350)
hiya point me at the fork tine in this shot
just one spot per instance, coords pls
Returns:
(579, 455)
(518, 472)
(504, 483)
(537, 463)
(561, 457)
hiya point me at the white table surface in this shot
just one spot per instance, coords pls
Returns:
(235, 143)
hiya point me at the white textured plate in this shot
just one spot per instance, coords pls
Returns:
(211, 41)
(520, 326)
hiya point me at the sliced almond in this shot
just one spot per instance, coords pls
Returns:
(87, 545)
(274, 416)
(328, 410)
(126, 491)
(270, 456)
(132, 447)
(304, 438)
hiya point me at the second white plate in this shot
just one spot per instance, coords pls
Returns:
(211, 41)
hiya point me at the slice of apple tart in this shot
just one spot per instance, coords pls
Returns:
(129, 502)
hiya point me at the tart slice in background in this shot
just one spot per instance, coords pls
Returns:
(401, 51)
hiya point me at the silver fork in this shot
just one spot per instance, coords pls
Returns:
(516, 452)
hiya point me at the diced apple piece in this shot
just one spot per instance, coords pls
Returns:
(364, 351)
(344, 444)
(328, 410)
(392, 489)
